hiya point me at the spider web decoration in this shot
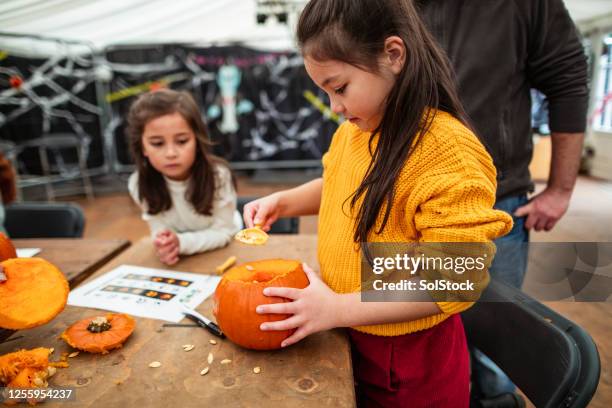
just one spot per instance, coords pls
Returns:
(277, 121)
(279, 117)
(283, 124)
(136, 70)
(54, 95)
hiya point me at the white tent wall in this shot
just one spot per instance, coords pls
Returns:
(107, 22)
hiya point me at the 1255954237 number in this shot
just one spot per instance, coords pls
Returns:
(36, 394)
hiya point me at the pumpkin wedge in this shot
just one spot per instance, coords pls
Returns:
(34, 292)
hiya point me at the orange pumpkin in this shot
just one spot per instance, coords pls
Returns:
(34, 292)
(241, 291)
(7, 250)
(100, 334)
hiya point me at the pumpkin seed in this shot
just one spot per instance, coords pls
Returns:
(210, 358)
(257, 370)
(73, 354)
(38, 382)
(51, 371)
(204, 371)
(211, 341)
(188, 347)
(51, 350)
(226, 361)
(249, 268)
(155, 364)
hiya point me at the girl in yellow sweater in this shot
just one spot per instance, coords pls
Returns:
(403, 167)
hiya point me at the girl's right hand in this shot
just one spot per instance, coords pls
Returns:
(262, 212)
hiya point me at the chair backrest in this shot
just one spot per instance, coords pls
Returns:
(551, 359)
(44, 220)
(281, 226)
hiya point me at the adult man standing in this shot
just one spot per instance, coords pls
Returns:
(500, 49)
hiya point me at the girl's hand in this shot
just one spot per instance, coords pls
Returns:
(312, 308)
(263, 212)
(167, 246)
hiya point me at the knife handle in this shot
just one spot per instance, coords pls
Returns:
(214, 329)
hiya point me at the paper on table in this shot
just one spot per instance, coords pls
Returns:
(27, 252)
(145, 292)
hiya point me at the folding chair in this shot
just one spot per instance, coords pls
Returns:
(281, 226)
(551, 359)
(44, 220)
(54, 143)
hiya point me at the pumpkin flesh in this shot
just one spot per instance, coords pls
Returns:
(241, 291)
(25, 369)
(34, 292)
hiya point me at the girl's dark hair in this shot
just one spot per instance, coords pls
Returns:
(354, 32)
(152, 188)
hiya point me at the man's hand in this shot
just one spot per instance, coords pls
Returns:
(545, 209)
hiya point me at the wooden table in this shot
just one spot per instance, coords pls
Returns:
(312, 373)
(77, 258)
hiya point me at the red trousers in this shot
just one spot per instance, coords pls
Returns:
(429, 368)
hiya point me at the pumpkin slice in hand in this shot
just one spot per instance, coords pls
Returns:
(252, 236)
(241, 291)
(34, 292)
(100, 334)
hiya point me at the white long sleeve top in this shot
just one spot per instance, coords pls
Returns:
(195, 232)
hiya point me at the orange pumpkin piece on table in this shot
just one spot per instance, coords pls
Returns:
(100, 334)
(34, 292)
(26, 369)
(7, 250)
(240, 291)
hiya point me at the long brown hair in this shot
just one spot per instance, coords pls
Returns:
(354, 32)
(152, 188)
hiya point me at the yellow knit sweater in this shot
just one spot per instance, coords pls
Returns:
(445, 193)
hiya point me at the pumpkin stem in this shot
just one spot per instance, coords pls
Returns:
(99, 325)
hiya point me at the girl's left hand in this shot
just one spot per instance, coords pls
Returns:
(167, 246)
(312, 308)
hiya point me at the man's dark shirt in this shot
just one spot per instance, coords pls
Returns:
(499, 50)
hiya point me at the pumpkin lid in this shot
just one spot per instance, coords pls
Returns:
(34, 292)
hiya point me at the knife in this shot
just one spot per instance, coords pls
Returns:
(202, 321)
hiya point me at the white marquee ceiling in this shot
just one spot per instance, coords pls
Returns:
(106, 22)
